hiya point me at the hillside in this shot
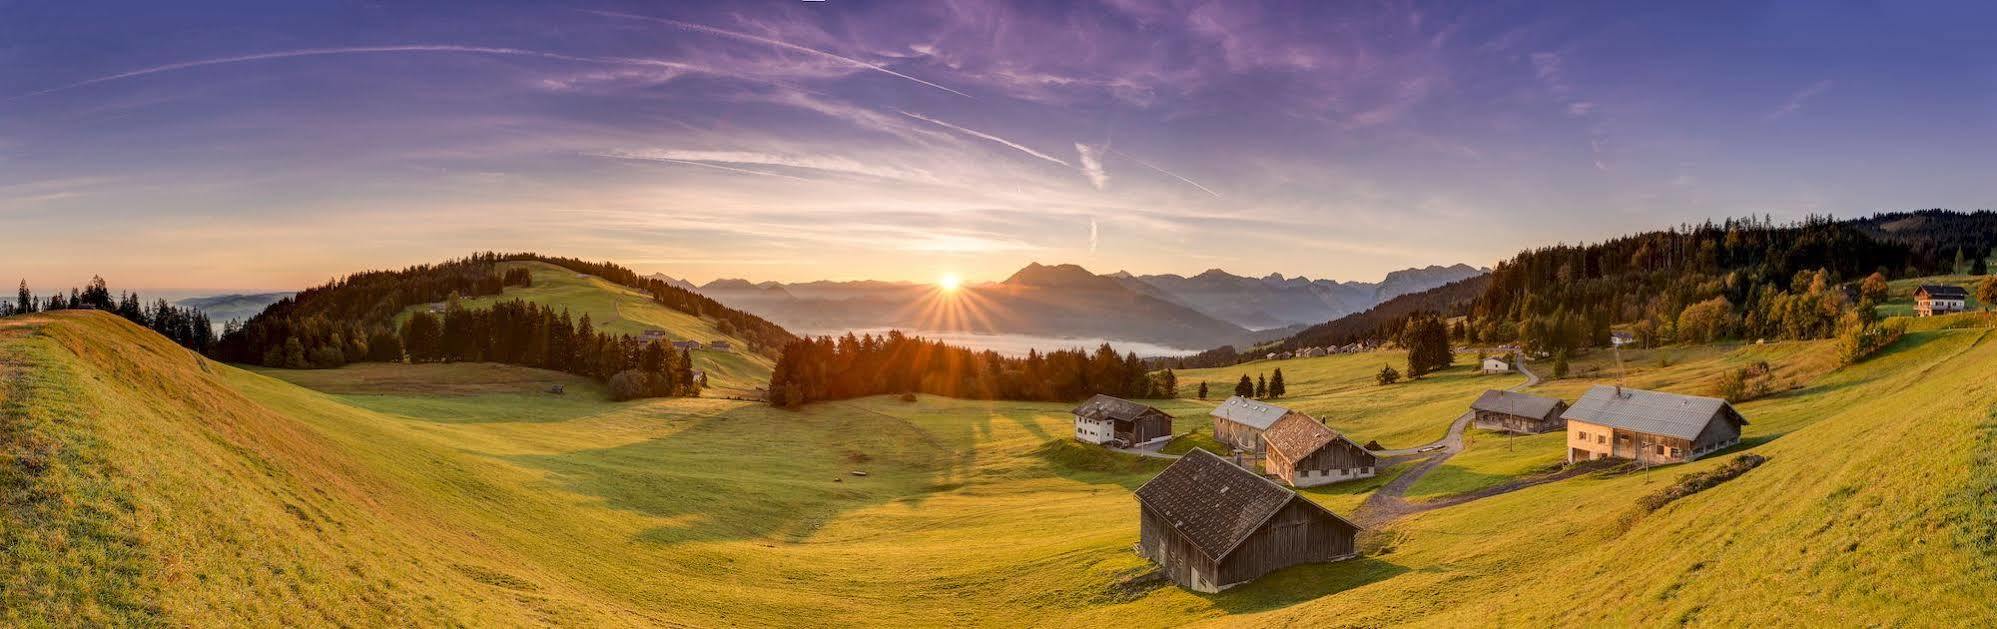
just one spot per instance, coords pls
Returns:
(619, 309)
(225, 308)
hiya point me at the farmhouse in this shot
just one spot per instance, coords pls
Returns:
(1648, 426)
(686, 344)
(1517, 412)
(1305, 453)
(1210, 525)
(1310, 352)
(1105, 419)
(1933, 299)
(1496, 364)
(720, 346)
(1240, 421)
(1620, 339)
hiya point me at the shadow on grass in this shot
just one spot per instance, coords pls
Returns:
(1297, 584)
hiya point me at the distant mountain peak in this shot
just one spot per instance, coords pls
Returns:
(1215, 274)
(1057, 275)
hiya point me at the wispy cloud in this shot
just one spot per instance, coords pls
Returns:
(775, 42)
(835, 164)
(317, 52)
(1095, 235)
(1796, 100)
(986, 136)
(1092, 165)
(689, 162)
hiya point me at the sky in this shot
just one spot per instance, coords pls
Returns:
(257, 145)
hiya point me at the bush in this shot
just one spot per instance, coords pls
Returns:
(1696, 482)
(907, 397)
(1387, 376)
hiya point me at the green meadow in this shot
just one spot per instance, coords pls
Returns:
(155, 487)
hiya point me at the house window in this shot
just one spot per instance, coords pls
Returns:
(1601, 438)
(1677, 452)
(1584, 436)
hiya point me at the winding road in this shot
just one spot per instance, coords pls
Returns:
(1390, 500)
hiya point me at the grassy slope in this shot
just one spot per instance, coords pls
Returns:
(619, 309)
(1875, 507)
(1340, 390)
(1900, 293)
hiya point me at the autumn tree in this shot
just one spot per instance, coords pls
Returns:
(1986, 292)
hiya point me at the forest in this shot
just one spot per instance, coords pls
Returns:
(821, 369)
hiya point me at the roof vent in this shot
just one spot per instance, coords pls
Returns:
(1224, 488)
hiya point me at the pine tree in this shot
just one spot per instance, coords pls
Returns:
(1203, 389)
(1959, 262)
(24, 301)
(1276, 388)
(1245, 388)
(1387, 375)
(1261, 386)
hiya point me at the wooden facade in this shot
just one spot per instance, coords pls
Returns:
(1105, 419)
(1239, 422)
(1931, 300)
(1305, 453)
(1510, 411)
(1210, 525)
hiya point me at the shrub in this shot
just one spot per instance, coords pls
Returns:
(1387, 376)
(1696, 482)
(908, 397)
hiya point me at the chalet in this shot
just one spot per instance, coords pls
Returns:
(686, 344)
(1620, 339)
(653, 335)
(721, 346)
(1239, 422)
(1305, 453)
(1310, 352)
(1497, 364)
(1648, 426)
(1104, 419)
(1286, 356)
(1517, 412)
(1933, 299)
(1210, 525)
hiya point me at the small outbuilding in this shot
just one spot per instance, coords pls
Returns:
(1210, 525)
(686, 345)
(1511, 411)
(1648, 426)
(1496, 364)
(721, 346)
(1306, 453)
(1117, 421)
(1939, 299)
(1239, 422)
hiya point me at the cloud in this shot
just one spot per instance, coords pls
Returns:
(316, 52)
(1095, 235)
(837, 164)
(986, 136)
(691, 162)
(778, 43)
(1092, 165)
(1580, 108)
(1801, 96)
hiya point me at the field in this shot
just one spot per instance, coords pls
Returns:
(622, 310)
(162, 488)
(1340, 390)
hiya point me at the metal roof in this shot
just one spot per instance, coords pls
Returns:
(1653, 412)
(1110, 407)
(1514, 403)
(1943, 291)
(1249, 412)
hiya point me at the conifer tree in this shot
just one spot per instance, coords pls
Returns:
(1203, 389)
(1245, 388)
(1276, 388)
(1261, 386)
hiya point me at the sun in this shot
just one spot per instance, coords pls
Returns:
(949, 282)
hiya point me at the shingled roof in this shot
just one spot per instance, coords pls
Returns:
(1299, 435)
(1213, 503)
(1514, 403)
(1654, 412)
(1943, 291)
(1107, 407)
(1249, 412)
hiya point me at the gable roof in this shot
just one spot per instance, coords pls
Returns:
(1248, 412)
(1514, 403)
(1215, 504)
(1654, 412)
(1108, 407)
(1943, 291)
(1297, 436)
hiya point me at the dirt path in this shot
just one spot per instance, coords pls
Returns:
(1390, 501)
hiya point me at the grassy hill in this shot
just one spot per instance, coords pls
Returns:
(1340, 389)
(619, 309)
(1900, 293)
(150, 486)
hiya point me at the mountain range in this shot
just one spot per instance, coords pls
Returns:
(1067, 300)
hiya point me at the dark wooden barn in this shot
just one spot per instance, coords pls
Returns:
(1305, 453)
(1210, 525)
(1512, 411)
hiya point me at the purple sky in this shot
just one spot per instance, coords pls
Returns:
(235, 146)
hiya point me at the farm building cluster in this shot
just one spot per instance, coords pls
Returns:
(1314, 352)
(1211, 521)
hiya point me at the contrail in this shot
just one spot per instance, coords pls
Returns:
(979, 134)
(773, 42)
(1167, 173)
(314, 52)
(731, 169)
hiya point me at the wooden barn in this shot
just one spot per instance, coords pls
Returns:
(1934, 299)
(1305, 453)
(1496, 364)
(1239, 422)
(1511, 411)
(1210, 525)
(1120, 422)
(1648, 426)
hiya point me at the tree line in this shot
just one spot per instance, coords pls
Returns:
(823, 368)
(762, 336)
(188, 327)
